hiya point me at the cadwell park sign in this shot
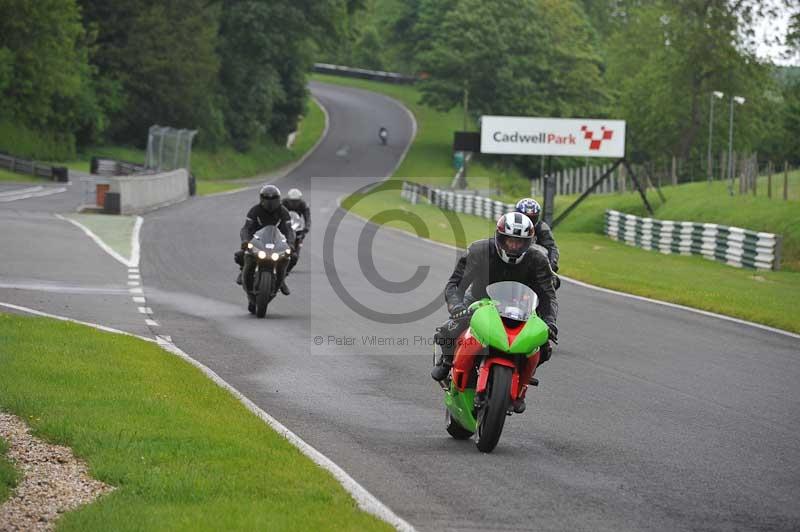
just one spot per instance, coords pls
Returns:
(571, 137)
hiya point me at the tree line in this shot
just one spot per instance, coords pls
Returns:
(81, 72)
(654, 63)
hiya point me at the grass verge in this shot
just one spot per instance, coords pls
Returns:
(8, 474)
(184, 453)
(225, 163)
(113, 229)
(13, 177)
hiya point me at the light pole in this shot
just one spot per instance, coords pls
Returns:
(740, 101)
(714, 94)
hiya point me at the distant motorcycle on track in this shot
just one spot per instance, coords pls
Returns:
(266, 260)
(383, 135)
(495, 359)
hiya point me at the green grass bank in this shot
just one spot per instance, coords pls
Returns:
(214, 170)
(183, 453)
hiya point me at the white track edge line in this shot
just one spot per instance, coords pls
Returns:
(135, 249)
(594, 287)
(20, 191)
(366, 501)
(97, 240)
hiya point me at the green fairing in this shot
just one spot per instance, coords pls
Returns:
(487, 328)
(460, 405)
(532, 335)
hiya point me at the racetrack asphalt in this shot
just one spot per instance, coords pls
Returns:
(648, 417)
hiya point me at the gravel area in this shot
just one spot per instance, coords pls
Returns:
(53, 480)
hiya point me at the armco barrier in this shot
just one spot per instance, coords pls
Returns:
(362, 73)
(456, 201)
(141, 193)
(25, 166)
(732, 245)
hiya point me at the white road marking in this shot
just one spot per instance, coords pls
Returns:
(135, 290)
(151, 323)
(38, 194)
(164, 338)
(135, 250)
(133, 276)
(138, 299)
(19, 191)
(133, 283)
(59, 288)
(145, 310)
(365, 500)
(97, 240)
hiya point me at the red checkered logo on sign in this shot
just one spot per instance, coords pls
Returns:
(594, 143)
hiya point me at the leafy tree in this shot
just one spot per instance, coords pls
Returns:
(163, 56)
(665, 61)
(522, 57)
(45, 78)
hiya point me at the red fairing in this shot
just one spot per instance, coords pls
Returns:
(483, 375)
(467, 348)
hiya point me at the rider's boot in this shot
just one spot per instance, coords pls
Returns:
(284, 288)
(442, 369)
(519, 405)
(239, 278)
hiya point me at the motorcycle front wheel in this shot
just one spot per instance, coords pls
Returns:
(492, 415)
(263, 292)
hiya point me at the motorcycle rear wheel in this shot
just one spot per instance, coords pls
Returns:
(263, 292)
(492, 415)
(455, 429)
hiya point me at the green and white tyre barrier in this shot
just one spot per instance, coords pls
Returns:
(456, 201)
(732, 245)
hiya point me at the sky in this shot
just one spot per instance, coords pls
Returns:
(770, 28)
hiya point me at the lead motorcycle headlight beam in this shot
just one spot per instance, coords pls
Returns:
(262, 255)
(275, 256)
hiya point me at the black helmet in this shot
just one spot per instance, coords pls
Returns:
(270, 197)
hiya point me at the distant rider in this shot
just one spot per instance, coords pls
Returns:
(502, 258)
(383, 134)
(268, 211)
(544, 235)
(294, 202)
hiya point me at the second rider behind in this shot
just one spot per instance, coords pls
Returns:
(268, 211)
(294, 202)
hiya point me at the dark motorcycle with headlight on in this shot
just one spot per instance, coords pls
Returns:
(266, 260)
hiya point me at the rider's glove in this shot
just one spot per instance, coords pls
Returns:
(552, 331)
(244, 245)
(458, 310)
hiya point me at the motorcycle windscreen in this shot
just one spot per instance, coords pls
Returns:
(513, 300)
(271, 238)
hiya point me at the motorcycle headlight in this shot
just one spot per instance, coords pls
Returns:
(249, 245)
(262, 254)
(288, 251)
(275, 256)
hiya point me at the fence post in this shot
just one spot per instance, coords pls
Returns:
(785, 180)
(755, 174)
(769, 180)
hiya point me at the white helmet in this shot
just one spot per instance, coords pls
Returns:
(513, 236)
(294, 194)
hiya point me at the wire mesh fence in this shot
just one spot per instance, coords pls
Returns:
(169, 148)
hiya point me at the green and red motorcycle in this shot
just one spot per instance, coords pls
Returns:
(495, 358)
